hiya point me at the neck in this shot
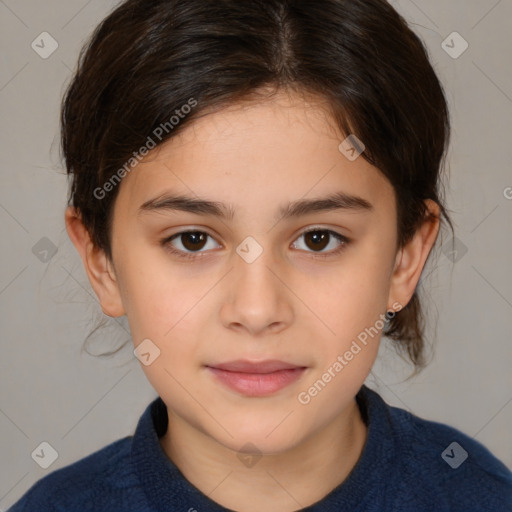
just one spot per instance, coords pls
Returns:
(285, 481)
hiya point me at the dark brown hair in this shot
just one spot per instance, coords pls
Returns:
(149, 58)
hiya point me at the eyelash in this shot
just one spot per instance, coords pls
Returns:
(166, 242)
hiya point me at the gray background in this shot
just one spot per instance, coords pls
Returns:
(51, 392)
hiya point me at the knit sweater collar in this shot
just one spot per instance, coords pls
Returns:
(166, 487)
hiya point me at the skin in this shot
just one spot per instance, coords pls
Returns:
(288, 304)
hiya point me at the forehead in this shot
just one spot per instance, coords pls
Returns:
(255, 155)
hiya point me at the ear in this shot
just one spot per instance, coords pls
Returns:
(99, 269)
(411, 258)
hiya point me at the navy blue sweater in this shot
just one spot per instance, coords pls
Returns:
(408, 464)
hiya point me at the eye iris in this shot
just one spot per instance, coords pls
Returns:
(195, 240)
(317, 236)
(194, 236)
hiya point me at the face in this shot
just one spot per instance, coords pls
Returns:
(269, 282)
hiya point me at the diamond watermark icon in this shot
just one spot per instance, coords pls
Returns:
(454, 45)
(352, 147)
(44, 250)
(249, 250)
(249, 455)
(45, 455)
(454, 455)
(456, 251)
(146, 352)
(44, 45)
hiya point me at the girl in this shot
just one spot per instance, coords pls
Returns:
(255, 185)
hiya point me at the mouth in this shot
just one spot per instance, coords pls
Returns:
(256, 378)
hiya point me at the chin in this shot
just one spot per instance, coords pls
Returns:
(255, 439)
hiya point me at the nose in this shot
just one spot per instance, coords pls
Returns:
(258, 300)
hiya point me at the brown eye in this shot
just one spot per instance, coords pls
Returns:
(317, 240)
(188, 244)
(193, 240)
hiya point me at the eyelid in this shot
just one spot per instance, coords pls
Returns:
(344, 241)
(166, 242)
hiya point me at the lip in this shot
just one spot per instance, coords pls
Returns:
(256, 378)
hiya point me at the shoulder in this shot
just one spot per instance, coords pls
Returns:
(450, 467)
(83, 484)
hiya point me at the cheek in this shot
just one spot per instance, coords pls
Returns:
(171, 319)
(166, 309)
(350, 299)
(158, 296)
(351, 306)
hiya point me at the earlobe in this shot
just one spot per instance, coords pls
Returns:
(99, 269)
(411, 258)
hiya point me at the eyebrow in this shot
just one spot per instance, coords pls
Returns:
(334, 202)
